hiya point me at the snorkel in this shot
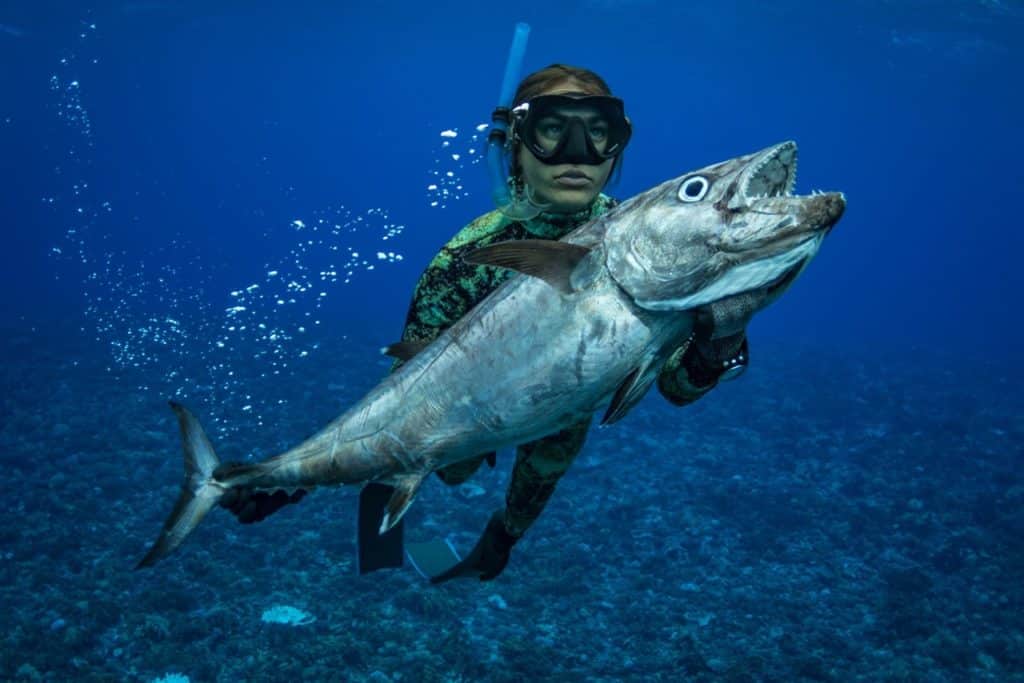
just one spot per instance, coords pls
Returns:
(497, 139)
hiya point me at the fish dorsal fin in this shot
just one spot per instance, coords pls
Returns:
(551, 261)
(630, 391)
(406, 349)
(406, 488)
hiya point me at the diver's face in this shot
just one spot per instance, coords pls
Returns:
(566, 188)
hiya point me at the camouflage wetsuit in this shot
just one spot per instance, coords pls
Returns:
(450, 287)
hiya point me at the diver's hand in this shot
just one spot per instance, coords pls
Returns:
(254, 506)
(488, 558)
(720, 327)
(729, 317)
(719, 349)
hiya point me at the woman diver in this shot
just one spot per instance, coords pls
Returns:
(566, 135)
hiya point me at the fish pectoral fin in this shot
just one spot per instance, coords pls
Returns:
(406, 488)
(630, 391)
(405, 350)
(551, 261)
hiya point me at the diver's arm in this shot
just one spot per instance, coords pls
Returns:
(717, 349)
(433, 308)
(450, 287)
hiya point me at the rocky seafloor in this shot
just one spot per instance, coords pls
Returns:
(833, 515)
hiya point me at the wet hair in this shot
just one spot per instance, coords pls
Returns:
(555, 75)
(547, 79)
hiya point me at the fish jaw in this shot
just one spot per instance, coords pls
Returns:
(729, 228)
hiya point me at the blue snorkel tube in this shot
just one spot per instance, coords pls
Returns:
(497, 164)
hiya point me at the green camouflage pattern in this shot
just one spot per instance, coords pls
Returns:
(450, 287)
(539, 466)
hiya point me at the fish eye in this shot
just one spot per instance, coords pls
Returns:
(694, 188)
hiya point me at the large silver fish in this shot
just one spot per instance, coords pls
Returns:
(587, 325)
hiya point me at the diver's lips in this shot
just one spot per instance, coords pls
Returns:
(570, 180)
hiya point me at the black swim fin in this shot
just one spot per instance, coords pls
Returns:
(377, 550)
(432, 558)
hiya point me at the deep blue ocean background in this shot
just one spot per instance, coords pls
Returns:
(228, 203)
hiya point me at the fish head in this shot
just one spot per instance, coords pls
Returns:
(725, 229)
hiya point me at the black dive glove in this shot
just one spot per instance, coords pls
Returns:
(488, 558)
(254, 506)
(719, 348)
(710, 360)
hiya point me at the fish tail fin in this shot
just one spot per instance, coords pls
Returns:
(199, 493)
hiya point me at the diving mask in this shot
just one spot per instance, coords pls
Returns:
(572, 128)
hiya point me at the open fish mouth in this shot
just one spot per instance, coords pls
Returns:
(773, 256)
(774, 175)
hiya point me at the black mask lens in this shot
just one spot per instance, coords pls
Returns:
(562, 129)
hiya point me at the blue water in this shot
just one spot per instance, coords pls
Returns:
(229, 205)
